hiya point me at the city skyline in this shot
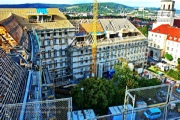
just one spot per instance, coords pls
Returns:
(133, 3)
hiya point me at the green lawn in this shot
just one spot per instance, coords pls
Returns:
(153, 69)
(171, 73)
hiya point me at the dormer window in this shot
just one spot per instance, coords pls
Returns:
(170, 37)
(175, 38)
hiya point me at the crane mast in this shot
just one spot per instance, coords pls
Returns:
(94, 35)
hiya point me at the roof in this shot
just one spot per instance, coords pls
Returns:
(13, 28)
(173, 33)
(155, 109)
(89, 114)
(88, 27)
(115, 110)
(77, 115)
(23, 14)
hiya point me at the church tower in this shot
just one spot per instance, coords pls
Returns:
(166, 13)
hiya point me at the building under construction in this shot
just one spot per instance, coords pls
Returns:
(116, 38)
(65, 46)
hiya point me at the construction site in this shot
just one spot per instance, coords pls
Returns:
(41, 50)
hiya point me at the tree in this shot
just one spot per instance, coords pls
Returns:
(144, 30)
(178, 60)
(143, 82)
(97, 94)
(168, 57)
(178, 67)
(100, 93)
(123, 77)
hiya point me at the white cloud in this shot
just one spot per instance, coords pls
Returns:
(146, 3)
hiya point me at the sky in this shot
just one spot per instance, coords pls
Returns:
(133, 3)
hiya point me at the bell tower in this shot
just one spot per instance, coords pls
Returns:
(166, 13)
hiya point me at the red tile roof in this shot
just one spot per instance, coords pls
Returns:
(172, 33)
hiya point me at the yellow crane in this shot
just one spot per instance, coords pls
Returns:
(94, 35)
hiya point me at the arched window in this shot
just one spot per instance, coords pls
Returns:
(164, 7)
(169, 7)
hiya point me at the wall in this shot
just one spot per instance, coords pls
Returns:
(173, 49)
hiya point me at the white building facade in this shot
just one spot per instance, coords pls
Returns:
(156, 44)
(172, 48)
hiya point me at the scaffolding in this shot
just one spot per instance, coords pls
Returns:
(143, 98)
(41, 110)
(13, 81)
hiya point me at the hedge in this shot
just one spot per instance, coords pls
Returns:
(174, 74)
(168, 57)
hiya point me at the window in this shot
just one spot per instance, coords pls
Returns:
(54, 33)
(65, 33)
(43, 43)
(54, 41)
(81, 71)
(63, 52)
(158, 46)
(81, 51)
(48, 42)
(50, 64)
(66, 41)
(81, 60)
(49, 53)
(60, 41)
(171, 49)
(55, 53)
(60, 52)
(99, 57)
(43, 54)
(44, 64)
(55, 63)
(169, 7)
(86, 59)
(154, 45)
(65, 61)
(61, 62)
(60, 33)
(167, 48)
(48, 34)
(42, 35)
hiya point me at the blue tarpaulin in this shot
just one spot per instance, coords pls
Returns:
(110, 73)
(81, 34)
(41, 10)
